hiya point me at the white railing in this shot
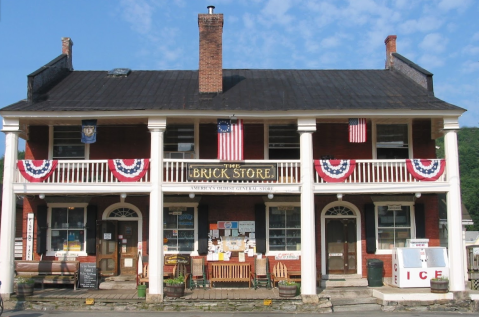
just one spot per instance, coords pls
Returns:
(81, 171)
(288, 171)
(379, 171)
(175, 171)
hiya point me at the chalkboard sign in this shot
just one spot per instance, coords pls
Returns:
(88, 275)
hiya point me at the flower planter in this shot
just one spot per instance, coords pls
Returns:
(287, 290)
(177, 290)
(439, 286)
(24, 289)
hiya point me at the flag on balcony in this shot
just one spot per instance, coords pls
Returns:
(334, 171)
(230, 140)
(426, 170)
(36, 171)
(128, 170)
(357, 130)
(88, 131)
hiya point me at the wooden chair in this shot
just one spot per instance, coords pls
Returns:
(198, 273)
(261, 274)
(180, 269)
(143, 276)
(280, 272)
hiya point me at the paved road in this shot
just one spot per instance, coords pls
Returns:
(31, 313)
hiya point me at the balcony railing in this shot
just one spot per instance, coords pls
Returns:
(380, 171)
(175, 171)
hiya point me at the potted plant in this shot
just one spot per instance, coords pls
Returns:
(25, 286)
(175, 287)
(440, 285)
(287, 288)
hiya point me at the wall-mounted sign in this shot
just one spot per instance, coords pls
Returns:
(228, 172)
(30, 224)
(173, 259)
(107, 236)
(286, 256)
(246, 226)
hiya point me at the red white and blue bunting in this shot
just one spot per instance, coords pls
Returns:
(426, 170)
(334, 171)
(129, 170)
(36, 171)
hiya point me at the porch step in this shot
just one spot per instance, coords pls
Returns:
(118, 285)
(351, 299)
(343, 280)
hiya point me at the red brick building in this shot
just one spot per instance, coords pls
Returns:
(321, 182)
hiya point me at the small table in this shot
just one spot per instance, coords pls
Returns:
(294, 276)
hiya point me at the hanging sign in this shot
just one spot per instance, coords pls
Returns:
(227, 172)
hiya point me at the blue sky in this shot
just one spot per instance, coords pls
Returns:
(442, 36)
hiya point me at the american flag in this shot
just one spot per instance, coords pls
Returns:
(357, 130)
(230, 140)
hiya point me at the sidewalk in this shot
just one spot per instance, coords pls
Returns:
(233, 299)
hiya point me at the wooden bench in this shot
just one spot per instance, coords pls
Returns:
(49, 272)
(230, 272)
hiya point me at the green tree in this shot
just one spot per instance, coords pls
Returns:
(468, 146)
(21, 156)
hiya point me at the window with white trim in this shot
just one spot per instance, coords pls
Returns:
(283, 142)
(66, 230)
(179, 229)
(392, 141)
(284, 228)
(67, 143)
(394, 225)
(179, 141)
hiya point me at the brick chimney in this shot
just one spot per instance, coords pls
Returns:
(390, 42)
(211, 52)
(67, 45)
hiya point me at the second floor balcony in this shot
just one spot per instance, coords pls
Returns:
(179, 172)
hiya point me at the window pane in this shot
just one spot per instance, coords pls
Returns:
(67, 143)
(283, 142)
(276, 218)
(186, 219)
(172, 239)
(293, 218)
(185, 240)
(385, 217)
(386, 238)
(59, 237)
(403, 217)
(179, 138)
(169, 219)
(65, 151)
(277, 240)
(293, 240)
(75, 218)
(401, 236)
(392, 135)
(59, 218)
(75, 240)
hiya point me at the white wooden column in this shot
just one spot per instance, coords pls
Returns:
(306, 127)
(157, 126)
(7, 233)
(454, 207)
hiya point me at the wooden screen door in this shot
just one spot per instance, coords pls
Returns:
(107, 247)
(341, 246)
(117, 247)
(128, 247)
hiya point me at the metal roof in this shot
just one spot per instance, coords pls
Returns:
(244, 89)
